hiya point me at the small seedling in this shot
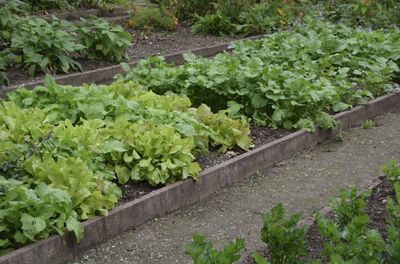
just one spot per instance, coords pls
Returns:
(368, 124)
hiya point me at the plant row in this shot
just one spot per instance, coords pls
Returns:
(49, 5)
(245, 17)
(291, 79)
(35, 45)
(347, 235)
(65, 150)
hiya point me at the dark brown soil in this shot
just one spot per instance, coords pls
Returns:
(375, 208)
(132, 191)
(144, 44)
(161, 42)
(260, 136)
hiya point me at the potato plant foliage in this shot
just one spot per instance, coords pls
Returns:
(36, 45)
(292, 79)
(65, 149)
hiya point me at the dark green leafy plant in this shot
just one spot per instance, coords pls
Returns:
(393, 207)
(376, 14)
(103, 40)
(44, 46)
(392, 171)
(393, 247)
(266, 16)
(27, 215)
(3, 75)
(40, 5)
(354, 242)
(349, 205)
(214, 23)
(9, 19)
(259, 259)
(286, 242)
(149, 19)
(203, 252)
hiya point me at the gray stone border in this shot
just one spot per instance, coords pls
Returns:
(106, 74)
(57, 249)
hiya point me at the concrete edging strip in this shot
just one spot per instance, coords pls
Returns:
(106, 74)
(57, 249)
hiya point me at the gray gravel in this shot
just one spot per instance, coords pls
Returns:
(303, 183)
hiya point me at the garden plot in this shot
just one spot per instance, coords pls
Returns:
(303, 183)
(227, 117)
(135, 130)
(61, 48)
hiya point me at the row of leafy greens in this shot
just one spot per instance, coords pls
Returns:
(290, 79)
(66, 149)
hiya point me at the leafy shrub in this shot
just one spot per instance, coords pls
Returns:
(151, 18)
(214, 23)
(103, 40)
(286, 242)
(202, 252)
(44, 46)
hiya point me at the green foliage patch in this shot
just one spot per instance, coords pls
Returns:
(66, 148)
(103, 40)
(293, 79)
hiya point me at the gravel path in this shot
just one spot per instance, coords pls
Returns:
(303, 183)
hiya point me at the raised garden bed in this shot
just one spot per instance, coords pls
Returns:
(169, 44)
(58, 249)
(379, 189)
(107, 121)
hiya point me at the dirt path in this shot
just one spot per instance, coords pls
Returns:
(303, 183)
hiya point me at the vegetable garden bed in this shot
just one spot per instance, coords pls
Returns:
(172, 45)
(362, 216)
(57, 249)
(136, 129)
